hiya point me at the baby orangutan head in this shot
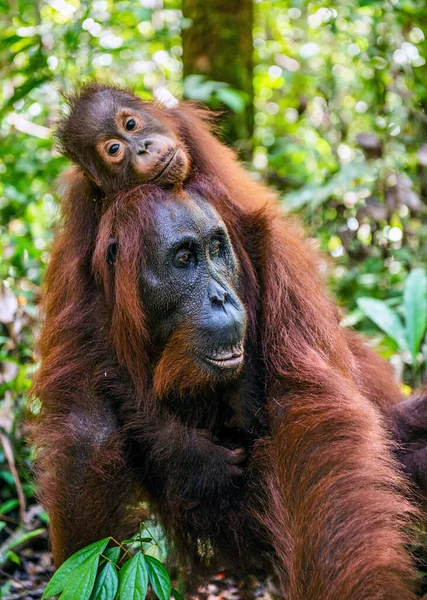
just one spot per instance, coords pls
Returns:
(119, 141)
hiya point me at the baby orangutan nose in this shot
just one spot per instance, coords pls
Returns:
(144, 147)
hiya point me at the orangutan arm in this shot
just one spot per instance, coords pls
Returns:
(86, 484)
(185, 461)
(336, 513)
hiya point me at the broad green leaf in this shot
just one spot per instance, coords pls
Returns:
(159, 578)
(231, 98)
(197, 87)
(385, 318)
(134, 579)
(113, 554)
(67, 572)
(415, 308)
(82, 580)
(177, 595)
(106, 583)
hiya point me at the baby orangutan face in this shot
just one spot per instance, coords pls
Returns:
(118, 141)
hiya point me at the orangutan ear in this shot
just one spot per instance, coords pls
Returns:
(75, 187)
(112, 250)
(93, 180)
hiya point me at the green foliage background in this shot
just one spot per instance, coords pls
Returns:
(340, 131)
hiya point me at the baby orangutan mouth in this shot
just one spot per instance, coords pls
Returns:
(174, 168)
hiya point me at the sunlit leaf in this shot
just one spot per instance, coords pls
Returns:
(231, 98)
(415, 308)
(315, 195)
(82, 580)
(385, 318)
(70, 570)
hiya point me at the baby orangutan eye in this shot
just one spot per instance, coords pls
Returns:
(114, 149)
(130, 123)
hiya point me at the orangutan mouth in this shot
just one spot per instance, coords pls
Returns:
(167, 166)
(227, 360)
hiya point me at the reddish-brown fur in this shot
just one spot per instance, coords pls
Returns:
(326, 500)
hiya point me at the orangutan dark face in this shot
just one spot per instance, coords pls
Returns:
(189, 291)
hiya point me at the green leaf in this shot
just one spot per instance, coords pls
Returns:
(20, 538)
(8, 506)
(131, 542)
(315, 195)
(113, 554)
(154, 550)
(196, 87)
(231, 98)
(415, 309)
(134, 578)
(156, 545)
(159, 578)
(12, 556)
(107, 583)
(5, 589)
(69, 571)
(385, 318)
(177, 595)
(81, 583)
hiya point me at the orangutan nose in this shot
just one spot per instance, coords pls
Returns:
(143, 147)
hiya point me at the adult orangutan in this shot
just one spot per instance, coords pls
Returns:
(118, 141)
(153, 348)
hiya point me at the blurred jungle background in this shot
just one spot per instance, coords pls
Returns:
(327, 102)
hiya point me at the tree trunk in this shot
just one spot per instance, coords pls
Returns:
(218, 44)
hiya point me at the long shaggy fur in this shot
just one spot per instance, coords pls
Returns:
(324, 505)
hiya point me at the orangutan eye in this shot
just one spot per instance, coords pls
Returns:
(114, 149)
(184, 257)
(130, 124)
(214, 248)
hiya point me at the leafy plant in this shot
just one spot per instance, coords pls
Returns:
(408, 335)
(118, 572)
(197, 87)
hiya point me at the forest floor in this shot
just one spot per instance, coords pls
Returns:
(26, 575)
(28, 579)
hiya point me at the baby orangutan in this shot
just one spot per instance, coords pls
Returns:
(119, 142)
